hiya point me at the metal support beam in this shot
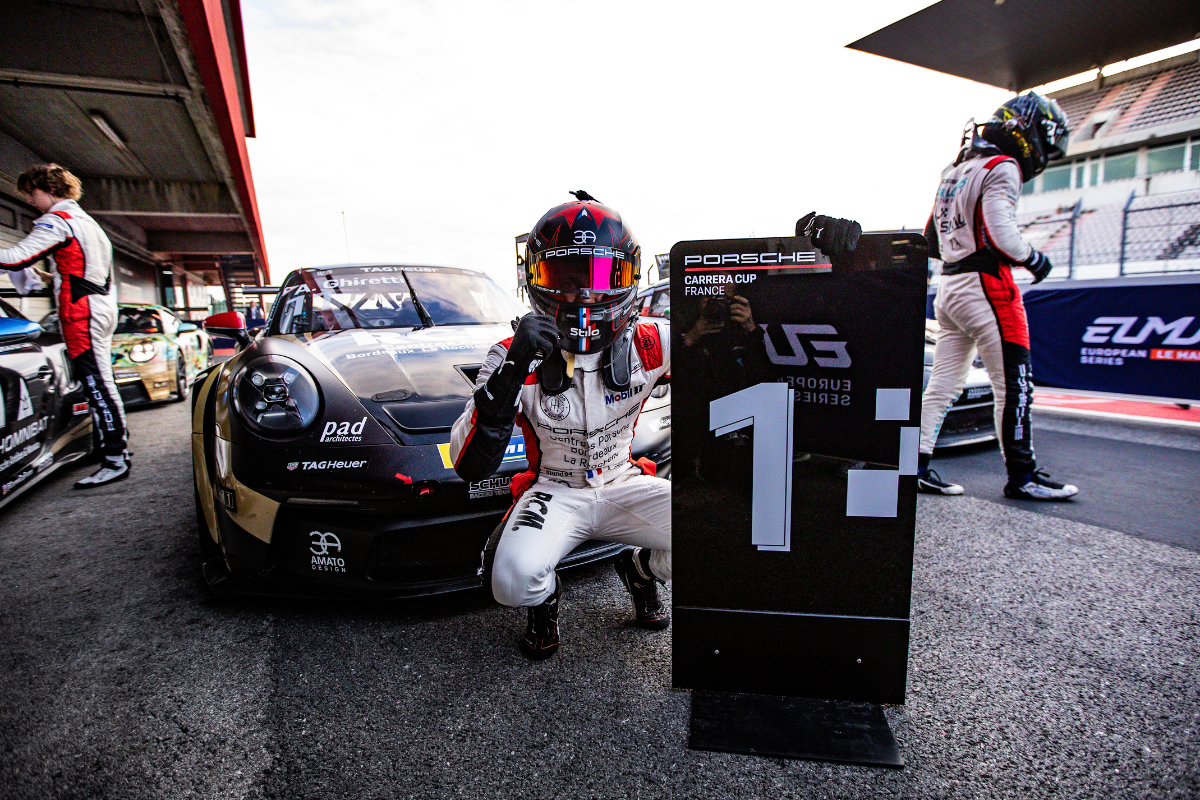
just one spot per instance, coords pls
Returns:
(58, 80)
(142, 196)
(198, 242)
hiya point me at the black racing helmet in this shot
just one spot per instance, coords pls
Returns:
(583, 263)
(1030, 128)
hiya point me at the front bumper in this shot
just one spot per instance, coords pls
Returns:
(381, 527)
(144, 384)
(336, 554)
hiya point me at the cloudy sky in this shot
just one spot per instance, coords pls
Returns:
(444, 129)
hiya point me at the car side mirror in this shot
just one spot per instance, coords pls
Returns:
(231, 325)
(187, 327)
(18, 331)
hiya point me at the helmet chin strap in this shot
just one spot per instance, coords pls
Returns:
(616, 372)
(615, 369)
(553, 374)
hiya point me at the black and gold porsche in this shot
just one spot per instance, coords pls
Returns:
(321, 449)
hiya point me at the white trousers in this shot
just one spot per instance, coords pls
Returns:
(550, 520)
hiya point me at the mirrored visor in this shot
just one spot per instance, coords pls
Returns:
(1057, 136)
(603, 274)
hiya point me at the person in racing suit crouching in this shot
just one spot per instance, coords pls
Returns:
(81, 254)
(973, 229)
(574, 376)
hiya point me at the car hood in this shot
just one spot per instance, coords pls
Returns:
(420, 379)
(127, 339)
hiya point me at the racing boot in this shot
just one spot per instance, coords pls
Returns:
(633, 567)
(1037, 485)
(541, 634)
(112, 469)
(930, 482)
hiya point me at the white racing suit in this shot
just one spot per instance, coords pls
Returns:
(81, 255)
(582, 483)
(973, 229)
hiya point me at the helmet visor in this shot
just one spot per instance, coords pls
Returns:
(1056, 139)
(594, 274)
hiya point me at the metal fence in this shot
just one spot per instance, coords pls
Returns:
(1144, 235)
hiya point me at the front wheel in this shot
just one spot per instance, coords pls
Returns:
(181, 378)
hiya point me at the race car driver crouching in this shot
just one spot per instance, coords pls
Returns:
(574, 376)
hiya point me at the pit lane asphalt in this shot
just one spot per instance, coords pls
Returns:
(1049, 658)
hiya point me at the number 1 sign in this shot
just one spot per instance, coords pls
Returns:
(796, 388)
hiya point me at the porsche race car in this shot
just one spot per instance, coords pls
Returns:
(321, 451)
(45, 421)
(156, 355)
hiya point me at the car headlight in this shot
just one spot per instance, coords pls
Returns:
(142, 352)
(275, 396)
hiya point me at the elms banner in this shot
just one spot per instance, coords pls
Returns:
(1138, 336)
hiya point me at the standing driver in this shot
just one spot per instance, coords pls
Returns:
(974, 230)
(574, 377)
(81, 256)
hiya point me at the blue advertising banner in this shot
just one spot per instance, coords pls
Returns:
(1138, 336)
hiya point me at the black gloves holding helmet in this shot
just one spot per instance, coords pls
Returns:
(833, 236)
(535, 337)
(1039, 265)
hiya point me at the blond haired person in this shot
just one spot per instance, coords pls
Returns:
(80, 255)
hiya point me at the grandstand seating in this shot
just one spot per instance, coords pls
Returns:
(1157, 228)
(1147, 110)
(1144, 101)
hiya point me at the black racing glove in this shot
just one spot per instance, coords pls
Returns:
(833, 236)
(1039, 265)
(535, 337)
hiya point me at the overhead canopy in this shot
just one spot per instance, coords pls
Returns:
(1017, 44)
(148, 102)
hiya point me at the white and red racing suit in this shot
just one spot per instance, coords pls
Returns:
(973, 229)
(81, 256)
(582, 482)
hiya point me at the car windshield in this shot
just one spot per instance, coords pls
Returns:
(138, 320)
(342, 298)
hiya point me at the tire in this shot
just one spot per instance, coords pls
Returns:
(181, 379)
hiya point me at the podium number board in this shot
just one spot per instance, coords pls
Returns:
(796, 404)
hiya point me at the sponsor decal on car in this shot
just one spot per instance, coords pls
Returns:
(327, 464)
(23, 476)
(513, 453)
(489, 487)
(324, 559)
(343, 431)
(975, 392)
(79, 408)
(25, 406)
(20, 455)
(18, 438)
(228, 498)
